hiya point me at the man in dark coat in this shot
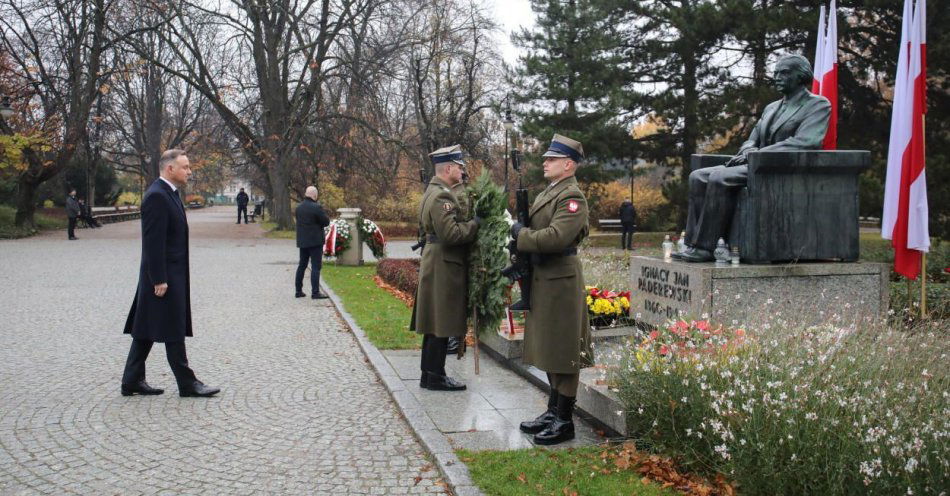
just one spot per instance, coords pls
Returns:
(242, 200)
(72, 213)
(796, 122)
(161, 310)
(628, 221)
(311, 219)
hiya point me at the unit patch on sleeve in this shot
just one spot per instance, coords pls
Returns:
(572, 206)
(447, 206)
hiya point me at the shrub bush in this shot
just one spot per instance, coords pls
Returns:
(401, 273)
(129, 198)
(646, 199)
(394, 230)
(822, 410)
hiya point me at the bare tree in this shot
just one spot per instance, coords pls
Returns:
(149, 110)
(261, 64)
(57, 49)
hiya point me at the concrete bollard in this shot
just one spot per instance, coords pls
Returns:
(353, 255)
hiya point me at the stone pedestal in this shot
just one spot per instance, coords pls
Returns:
(753, 295)
(354, 254)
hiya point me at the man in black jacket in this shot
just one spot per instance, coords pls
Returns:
(628, 221)
(161, 310)
(311, 219)
(72, 213)
(242, 200)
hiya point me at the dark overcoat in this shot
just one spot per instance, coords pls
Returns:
(557, 329)
(164, 260)
(311, 219)
(440, 305)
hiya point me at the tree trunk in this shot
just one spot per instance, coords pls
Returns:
(280, 195)
(91, 166)
(25, 203)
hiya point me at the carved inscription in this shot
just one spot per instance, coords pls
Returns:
(666, 291)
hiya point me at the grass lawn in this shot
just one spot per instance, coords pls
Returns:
(538, 471)
(43, 222)
(383, 317)
(271, 231)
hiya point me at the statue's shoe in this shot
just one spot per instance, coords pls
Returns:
(679, 255)
(697, 255)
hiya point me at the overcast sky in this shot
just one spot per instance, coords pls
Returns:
(511, 15)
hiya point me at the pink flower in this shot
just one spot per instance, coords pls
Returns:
(654, 335)
(664, 349)
(702, 325)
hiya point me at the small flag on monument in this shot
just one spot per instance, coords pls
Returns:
(905, 217)
(826, 70)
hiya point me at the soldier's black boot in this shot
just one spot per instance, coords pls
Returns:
(562, 427)
(524, 304)
(537, 425)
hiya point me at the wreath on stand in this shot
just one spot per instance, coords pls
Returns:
(336, 237)
(373, 237)
(487, 288)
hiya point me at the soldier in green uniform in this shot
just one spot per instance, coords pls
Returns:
(557, 331)
(440, 309)
(464, 213)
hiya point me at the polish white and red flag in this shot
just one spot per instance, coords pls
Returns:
(825, 82)
(329, 242)
(905, 217)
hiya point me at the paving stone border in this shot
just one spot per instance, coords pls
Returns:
(454, 470)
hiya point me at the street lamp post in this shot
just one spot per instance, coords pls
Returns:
(509, 125)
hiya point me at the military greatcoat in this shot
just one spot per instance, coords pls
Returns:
(557, 331)
(440, 307)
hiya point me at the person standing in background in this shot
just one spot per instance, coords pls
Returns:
(72, 213)
(311, 219)
(628, 221)
(242, 200)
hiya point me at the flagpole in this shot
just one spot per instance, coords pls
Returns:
(923, 286)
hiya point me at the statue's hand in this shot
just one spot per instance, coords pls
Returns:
(740, 159)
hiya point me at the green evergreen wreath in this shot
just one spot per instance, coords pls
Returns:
(488, 255)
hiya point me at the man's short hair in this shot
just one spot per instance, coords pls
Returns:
(311, 192)
(800, 65)
(440, 167)
(169, 157)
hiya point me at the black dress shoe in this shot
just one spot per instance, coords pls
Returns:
(199, 390)
(140, 387)
(299, 294)
(437, 382)
(424, 380)
(319, 296)
(74, 238)
(697, 255)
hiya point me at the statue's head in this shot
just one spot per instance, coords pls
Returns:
(792, 72)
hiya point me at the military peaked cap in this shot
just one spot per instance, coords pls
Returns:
(448, 154)
(564, 147)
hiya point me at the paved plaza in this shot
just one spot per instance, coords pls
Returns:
(300, 411)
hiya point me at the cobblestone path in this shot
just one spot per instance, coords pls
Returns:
(300, 409)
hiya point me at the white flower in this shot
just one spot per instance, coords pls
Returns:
(910, 465)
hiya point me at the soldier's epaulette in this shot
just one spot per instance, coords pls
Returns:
(447, 190)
